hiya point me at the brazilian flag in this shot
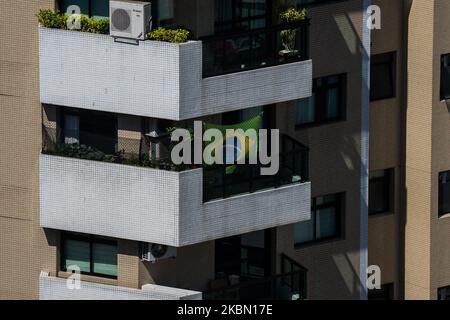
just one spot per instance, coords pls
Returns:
(236, 146)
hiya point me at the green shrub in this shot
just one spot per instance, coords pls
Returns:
(52, 19)
(169, 35)
(293, 15)
(92, 25)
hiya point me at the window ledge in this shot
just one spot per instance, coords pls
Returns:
(88, 278)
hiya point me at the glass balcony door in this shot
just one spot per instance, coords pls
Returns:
(240, 15)
(93, 129)
(244, 257)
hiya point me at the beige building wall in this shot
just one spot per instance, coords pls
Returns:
(421, 95)
(335, 162)
(385, 148)
(334, 154)
(440, 226)
(25, 248)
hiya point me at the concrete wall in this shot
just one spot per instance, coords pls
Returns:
(154, 79)
(52, 288)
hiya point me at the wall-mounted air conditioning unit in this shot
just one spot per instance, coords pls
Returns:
(154, 252)
(130, 19)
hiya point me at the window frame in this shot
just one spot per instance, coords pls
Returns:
(339, 204)
(392, 63)
(319, 93)
(91, 240)
(389, 182)
(236, 22)
(442, 95)
(441, 212)
(59, 3)
(385, 293)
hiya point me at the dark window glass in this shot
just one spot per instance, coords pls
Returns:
(445, 76)
(325, 223)
(444, 192)
(326, 104)
(382, 76)
(236, 15)
(92, 8)
(302, 3)
(380, 191)
(386, 292)
(444, 293)
(90, 128)
(93, 256)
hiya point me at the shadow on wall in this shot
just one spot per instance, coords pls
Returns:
(335, 156)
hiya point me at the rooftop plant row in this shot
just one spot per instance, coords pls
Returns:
(53, 19)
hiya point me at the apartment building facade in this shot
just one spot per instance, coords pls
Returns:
(85, 181)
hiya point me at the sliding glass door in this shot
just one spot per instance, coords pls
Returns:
(239, 15)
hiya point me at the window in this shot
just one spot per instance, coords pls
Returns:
(445, 76)
(382, 76)
(381, 191)
(326, 104)
(91, 128)
(93, 256)
(444, 293)
(325, 223)
(444, 192)
(234, 15)
(386, 292)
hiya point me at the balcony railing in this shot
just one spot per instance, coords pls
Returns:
(289, 285)
(219, 183)
(90, 146)
(254, 49)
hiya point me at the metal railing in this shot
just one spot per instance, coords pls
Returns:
(258, 48)
(89, 146)
(289, 285)
(219, 183)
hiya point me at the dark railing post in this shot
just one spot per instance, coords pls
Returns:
(250, 186)
(224, 182)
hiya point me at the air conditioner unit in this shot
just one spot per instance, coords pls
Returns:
(154, 252)
(130, 19)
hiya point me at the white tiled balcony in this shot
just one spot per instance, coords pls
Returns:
(54, 288)
(156, 206)
(155, 79)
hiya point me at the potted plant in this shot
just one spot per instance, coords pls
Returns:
(288, 36)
